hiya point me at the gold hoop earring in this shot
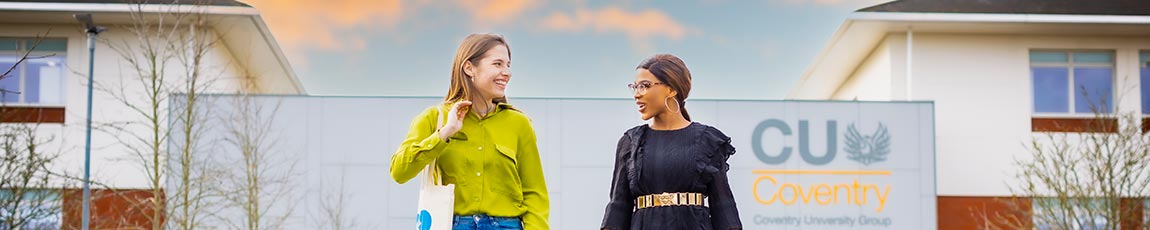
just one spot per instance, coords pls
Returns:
(676, 104)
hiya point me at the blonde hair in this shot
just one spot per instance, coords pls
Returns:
(471, 50)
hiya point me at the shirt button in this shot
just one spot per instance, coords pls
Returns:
(480, 148)
(477, 174)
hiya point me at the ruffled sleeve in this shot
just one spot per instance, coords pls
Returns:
(724, 214)
(617, 215)
(718, 149)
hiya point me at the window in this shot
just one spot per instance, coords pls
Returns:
(39, 80)
(37, 209)
(1082, 213)
(1076, 83)
(1144, 80)
(1144, 83)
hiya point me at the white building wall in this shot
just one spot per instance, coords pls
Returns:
(111, 163)
(871, 81)
(982, 92)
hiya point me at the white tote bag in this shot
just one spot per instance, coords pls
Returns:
(436, 200)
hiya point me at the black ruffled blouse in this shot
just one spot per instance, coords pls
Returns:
(691, 159)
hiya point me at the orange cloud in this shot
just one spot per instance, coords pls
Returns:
(495, 12)
(639, 26)
(302, 25)
(308, 24)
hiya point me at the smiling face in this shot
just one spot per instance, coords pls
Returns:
(491, 73)
(650, 94)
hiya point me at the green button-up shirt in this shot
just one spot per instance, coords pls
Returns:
(493, 162)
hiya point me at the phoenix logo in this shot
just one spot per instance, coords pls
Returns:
(867, 149)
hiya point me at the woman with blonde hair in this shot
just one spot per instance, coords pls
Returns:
(484, 146)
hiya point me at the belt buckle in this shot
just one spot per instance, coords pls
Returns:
(668, 199)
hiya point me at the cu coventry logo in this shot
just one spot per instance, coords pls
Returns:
(867, 149)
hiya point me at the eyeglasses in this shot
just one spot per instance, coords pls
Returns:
(641, 87)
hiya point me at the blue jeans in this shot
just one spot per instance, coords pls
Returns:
(484, 222)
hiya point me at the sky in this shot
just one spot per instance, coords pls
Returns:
(568, 48)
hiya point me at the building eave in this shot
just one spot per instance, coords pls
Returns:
(240, 27)
(861, 32)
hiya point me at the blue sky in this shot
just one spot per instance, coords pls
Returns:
(584, 49)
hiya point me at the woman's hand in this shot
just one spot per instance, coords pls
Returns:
(454, 119)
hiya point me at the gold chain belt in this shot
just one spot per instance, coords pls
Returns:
(670, 199)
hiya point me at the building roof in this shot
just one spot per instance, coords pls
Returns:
(242, 29)
(864, 30)
(1079, 7)
(181, 2)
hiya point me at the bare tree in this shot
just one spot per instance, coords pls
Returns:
(164, 55)
(28, 198)
(193, 188)
(1090, 179)
(261, 188)
(332, 214)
